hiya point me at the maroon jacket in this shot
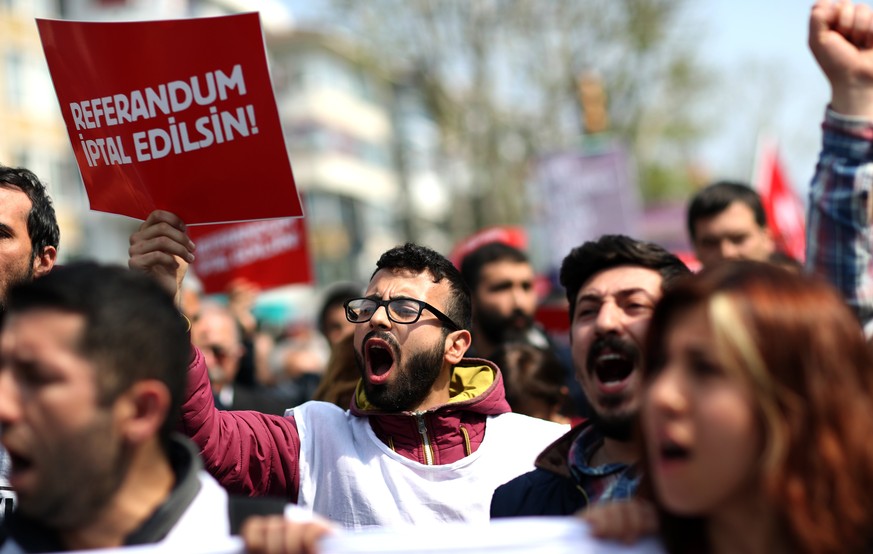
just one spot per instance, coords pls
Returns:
(257, 454)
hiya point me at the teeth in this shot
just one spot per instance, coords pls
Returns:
(610, 357)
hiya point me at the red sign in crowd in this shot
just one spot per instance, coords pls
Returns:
(199, 136)
(267, 253)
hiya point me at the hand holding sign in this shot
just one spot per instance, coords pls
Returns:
(277, 534)
(162, 249)
(626, 521)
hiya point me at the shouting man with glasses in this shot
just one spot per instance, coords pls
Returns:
(429, 434)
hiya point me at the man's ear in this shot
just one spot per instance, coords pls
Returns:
(457, 343)
(142, 410)
(44, 261)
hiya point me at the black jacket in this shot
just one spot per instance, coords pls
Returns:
(549, 490)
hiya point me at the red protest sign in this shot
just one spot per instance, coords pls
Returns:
(176, 115)
(267, 253)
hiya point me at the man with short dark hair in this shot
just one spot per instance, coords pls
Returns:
(29, 234)
(726, 220)
(429, 435)
(501, 282)
(91, 379)
(612, 287)
(29, 238)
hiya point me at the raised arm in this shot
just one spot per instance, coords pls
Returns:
(247, 452)
(839, 241)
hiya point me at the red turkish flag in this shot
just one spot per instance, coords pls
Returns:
(785, 213)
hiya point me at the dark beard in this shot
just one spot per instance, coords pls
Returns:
(413, 381)
(104, 473)
(617, 427)
(499, 329)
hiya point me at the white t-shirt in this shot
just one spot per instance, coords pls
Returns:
(351, 477)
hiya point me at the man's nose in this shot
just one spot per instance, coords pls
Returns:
(380, 318)
(666, 393)
(608, 318)
(522, 298)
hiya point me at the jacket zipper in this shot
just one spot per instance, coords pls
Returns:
(422, 430)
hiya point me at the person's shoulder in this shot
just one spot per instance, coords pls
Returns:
(536, 493)
(533, 479)
(317, 412)
(208, 509)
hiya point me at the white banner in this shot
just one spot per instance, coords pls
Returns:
(528, 535)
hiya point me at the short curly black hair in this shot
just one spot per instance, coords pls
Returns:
(414, 257)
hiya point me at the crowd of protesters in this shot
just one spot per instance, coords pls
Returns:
(724, 411)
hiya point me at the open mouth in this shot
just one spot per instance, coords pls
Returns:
(20, 466)
(670, 454)
(380, 360)
(613, 367)
(613, 371)
(673, 452)
(612, 361)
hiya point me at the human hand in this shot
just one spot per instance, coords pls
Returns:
(278, 535)
(161, 248)
(626, 521)
(841, 39)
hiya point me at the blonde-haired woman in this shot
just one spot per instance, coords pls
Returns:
(758, 415)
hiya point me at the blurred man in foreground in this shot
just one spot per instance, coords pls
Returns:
(29, 238)
(91, 380)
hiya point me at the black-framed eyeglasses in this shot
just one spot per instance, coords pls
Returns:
(400, 310)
